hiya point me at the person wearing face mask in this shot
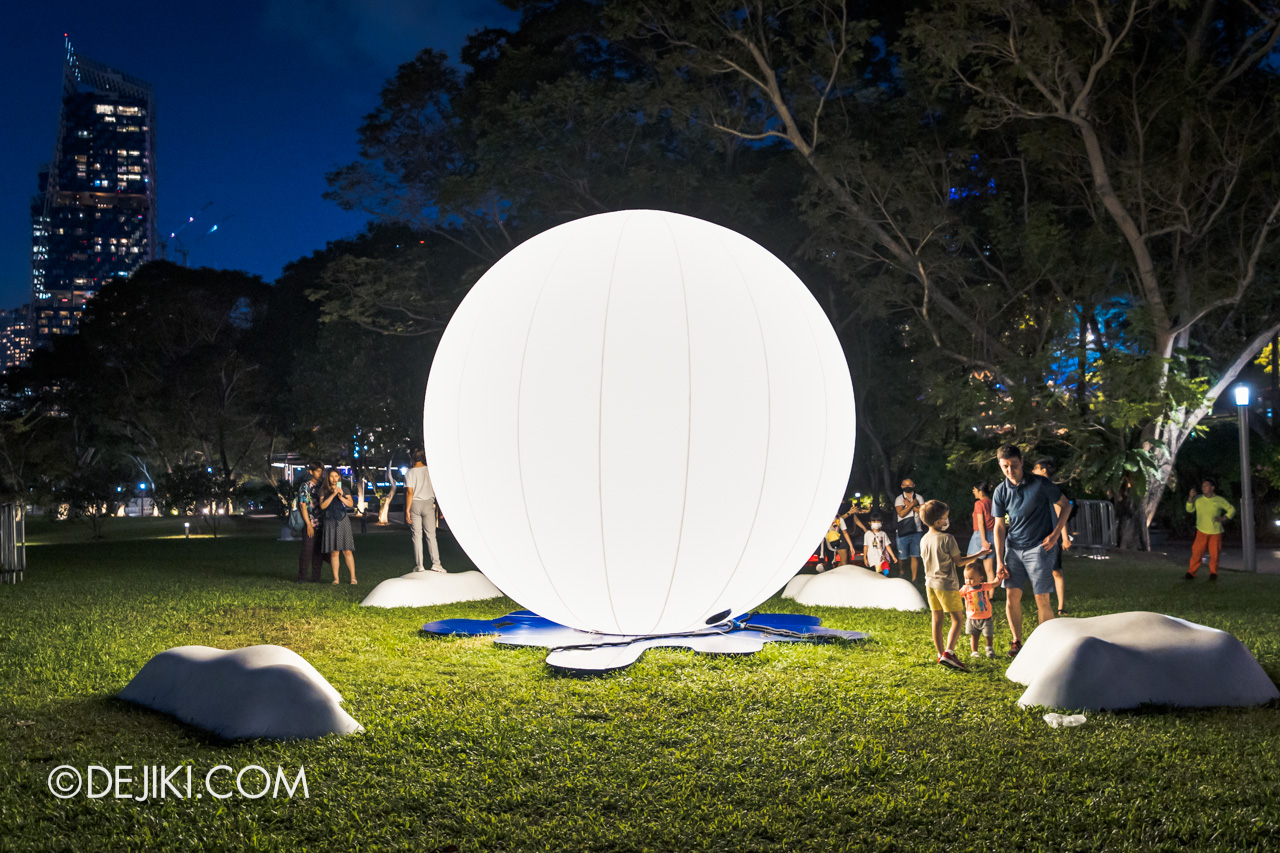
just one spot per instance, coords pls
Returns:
(910, 527)
(876, 550)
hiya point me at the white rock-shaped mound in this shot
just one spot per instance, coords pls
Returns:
(1124, 660)
(254, 692)
(425, 589)
(850, 586)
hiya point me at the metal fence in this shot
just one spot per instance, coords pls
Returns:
(1093, 527)
(13, 543)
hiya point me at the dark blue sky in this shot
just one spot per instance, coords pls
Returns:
(255, 102)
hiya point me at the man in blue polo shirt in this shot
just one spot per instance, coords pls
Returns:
(1027, 545)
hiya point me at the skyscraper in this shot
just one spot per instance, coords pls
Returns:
(94, 217)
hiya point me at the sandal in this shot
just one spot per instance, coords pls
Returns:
(1062, 612)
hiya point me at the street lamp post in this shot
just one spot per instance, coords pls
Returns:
(1246, 481)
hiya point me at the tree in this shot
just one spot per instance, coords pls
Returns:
(1159, 119)
(93, 491)
(896, 199)
(166, 362)
(356, 367)
(197, 490)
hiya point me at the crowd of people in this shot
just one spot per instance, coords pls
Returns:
(326, 533)
(1019, 532)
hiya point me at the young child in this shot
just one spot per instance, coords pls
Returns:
(941, 556)
(877, 552)
(978, 613)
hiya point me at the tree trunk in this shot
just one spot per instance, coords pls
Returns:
(384, 511)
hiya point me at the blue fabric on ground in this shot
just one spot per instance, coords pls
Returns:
(584, 652)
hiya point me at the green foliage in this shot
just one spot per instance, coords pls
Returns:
(163, 363)
(91, 493)
(275, 498)
(197, 490)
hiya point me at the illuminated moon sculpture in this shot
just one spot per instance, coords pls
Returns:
(638, 423)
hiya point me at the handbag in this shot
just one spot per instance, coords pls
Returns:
(296, 522)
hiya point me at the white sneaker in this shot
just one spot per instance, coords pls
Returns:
(973, 654)
(990, 652)
(419, 569)
(439, 569)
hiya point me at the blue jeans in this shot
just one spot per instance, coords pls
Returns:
(909, 545)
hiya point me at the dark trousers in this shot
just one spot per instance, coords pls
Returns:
(310, 556)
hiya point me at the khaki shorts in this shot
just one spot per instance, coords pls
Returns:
(949, 600)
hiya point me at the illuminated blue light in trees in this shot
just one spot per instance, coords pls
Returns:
(1112, 321)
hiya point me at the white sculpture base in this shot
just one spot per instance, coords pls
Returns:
(1124, 660)
(254, 692)
(850, 586)
(426, 589)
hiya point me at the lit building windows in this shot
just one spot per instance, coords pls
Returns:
(95, 172)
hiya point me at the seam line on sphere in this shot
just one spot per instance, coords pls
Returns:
(806, 316)
(524, 499)
(604, 343)
(768, 402)
(688, 439)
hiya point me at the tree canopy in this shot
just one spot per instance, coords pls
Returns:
(1047, 224)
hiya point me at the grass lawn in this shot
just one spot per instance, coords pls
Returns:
(471, 747)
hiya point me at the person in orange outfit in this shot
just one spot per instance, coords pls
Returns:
(1211, 510)
(979, 615)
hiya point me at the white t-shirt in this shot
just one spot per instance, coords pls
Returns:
(420, 481)
(910, 523)
(874, 543)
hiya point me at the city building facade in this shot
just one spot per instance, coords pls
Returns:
(15, 337)
(94, 216)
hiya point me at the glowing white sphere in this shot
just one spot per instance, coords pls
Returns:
(638, 421)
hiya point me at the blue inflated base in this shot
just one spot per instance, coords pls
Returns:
(574, 651)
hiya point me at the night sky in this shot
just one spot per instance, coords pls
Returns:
(255, 102)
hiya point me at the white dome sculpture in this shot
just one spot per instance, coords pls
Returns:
(427, 589)
(852, 586)
(253, 692)
(639, 422)
(1123, 660)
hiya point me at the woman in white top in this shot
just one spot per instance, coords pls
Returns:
(420, 511)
